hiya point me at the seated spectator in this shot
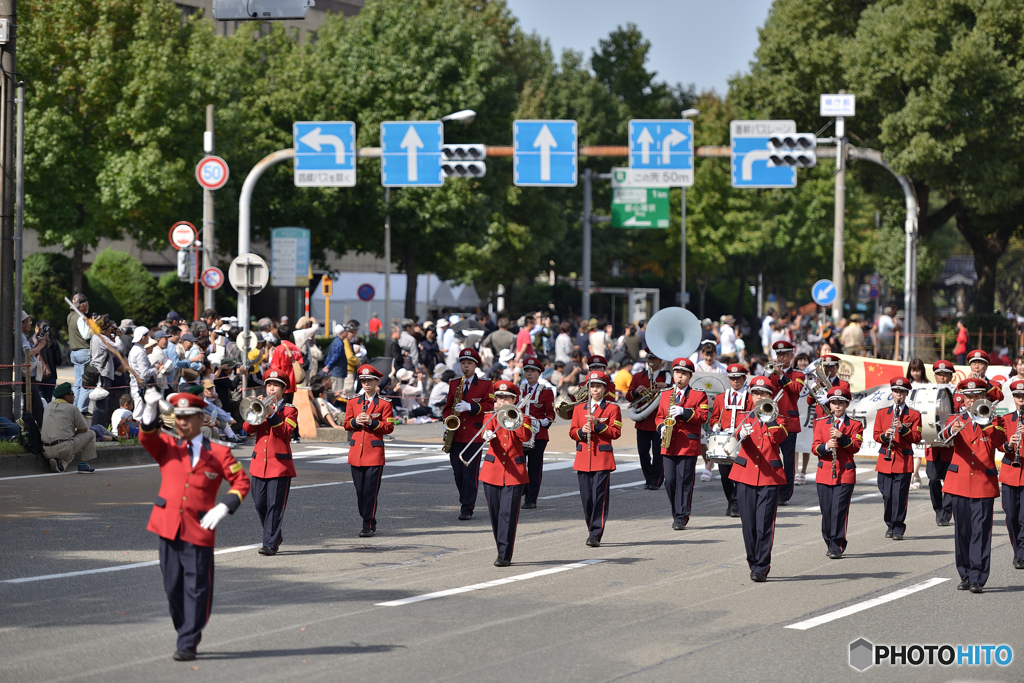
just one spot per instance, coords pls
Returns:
(102, 433)
(326, 413)
(439, 392)
(410, 389)
(65, 433)
(121, 421)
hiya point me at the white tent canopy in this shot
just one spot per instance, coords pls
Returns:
(431, 293)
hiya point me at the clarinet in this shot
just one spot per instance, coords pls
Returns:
(1016, 455)
(835, 456)
(888, 446)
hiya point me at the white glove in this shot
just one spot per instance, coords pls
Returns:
(151, 411)
(545, 422)
(462, 406)
(675, 411)
(488, 435)
(746, 430)
(717, 428)
(212, 518)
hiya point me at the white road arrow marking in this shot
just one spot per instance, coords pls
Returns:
(747, 171)
(315, 140)
(673, 138)
(646, 140)
(546, 141)
(411, 143)
(633, 221)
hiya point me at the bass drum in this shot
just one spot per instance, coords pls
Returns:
(935, 403)
(711, 383)
(718, 448)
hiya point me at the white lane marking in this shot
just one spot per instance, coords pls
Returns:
(875, 602)
(60, 474)
(120, 567)
(386, 476)
(576, 493)
(816, 508)
(488, 584)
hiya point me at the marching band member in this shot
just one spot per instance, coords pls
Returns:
(836, 438)
(187, 512)
(726, 412)
(1010, 474)
(897, 429)
(831, 365)
(595, 424)
(708, 362)
(504, 473)
(368, 417)
(597, 363)
(541, 409)
(648, 443)
(979, 362)
(939, 457)
(789, 383)
(476, 399)
(758, 474)
(271, 467)
(971, 481)
(688, 409)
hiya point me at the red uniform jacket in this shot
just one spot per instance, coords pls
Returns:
(758, 463)
(272, 454)
(504, 464)
(686, 433)
(187, 493)
(480, 396)
(818, 410)
(901, 450)
(848, 445)
(642, 380)
(787, 395)
(597, 455)
(973, 474)
(730, 408)
(1008, 474)
(540, 407)
(284, 355)
(366, 449)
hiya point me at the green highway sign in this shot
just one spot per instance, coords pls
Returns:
(639, 207)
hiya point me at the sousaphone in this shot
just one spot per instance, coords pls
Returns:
(671, 333)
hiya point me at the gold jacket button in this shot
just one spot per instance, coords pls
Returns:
(184, 497)
(186, 485)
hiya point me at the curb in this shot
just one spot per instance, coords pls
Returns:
(28, 463)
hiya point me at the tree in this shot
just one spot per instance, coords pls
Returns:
(131, 286)
(46, 280)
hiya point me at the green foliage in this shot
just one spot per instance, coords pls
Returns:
(987, 323)
(564, 296)
(177, 296)
(101, 299)
(130, 284)
(46, 280)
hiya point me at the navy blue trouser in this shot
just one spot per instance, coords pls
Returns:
(972, 537)
(788, 452)
(758, 505)
(503, 507)
(366, 480)
(535, 468)
(270, 496)
(835, 511)
(895, 490)
(1014, 510)
(594, 487)
(728, 485)
(679, 471)
(466, 476)
(941, 503)
(188, 582)
(648, 445)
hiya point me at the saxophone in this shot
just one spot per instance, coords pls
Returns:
(669, 424)
(452, 422)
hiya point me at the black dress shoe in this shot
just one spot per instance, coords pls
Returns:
(942, 522)
(678, 526)
(365, 533)
(655, 488)
(593, 543)
(184, 656)
(963, 585)
(1018, 563)
(888, 534)
(734, 512)
(897, 536)
(833, 555)
(977, 588)
(783, 503)
(465, 515)
(529, 506)
(758, 577)
(502, 563)
(267, 551)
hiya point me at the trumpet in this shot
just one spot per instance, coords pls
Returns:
(258, 409)
(771, 367)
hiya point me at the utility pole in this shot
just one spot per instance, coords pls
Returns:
(9, 319)
(387, 262)
(682, 255)
(838, 237)
(587, 203)
(209, 247)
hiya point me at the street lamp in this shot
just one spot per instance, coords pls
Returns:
(464, 116)
(686, 114)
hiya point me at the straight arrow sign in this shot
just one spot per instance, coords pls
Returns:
(412, 143)
(545, 141)
(646, 140)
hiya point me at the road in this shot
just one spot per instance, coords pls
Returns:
(650, 604)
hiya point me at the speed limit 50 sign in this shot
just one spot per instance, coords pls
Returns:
(212, 172)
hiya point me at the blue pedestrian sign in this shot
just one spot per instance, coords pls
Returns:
(544, 153)
(750, 154)
(325, 153)
(411, 153)
(661, 144)
(823, 292)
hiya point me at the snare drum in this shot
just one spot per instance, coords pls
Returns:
(718, 448)
(935, 403)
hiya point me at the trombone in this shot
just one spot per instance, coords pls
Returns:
(764, 410)
(980, 413)
(509, 417)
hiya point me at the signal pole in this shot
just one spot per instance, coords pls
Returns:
(209, 247)
(10, 321)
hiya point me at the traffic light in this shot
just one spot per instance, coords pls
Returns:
(260, 10)
(463, 161)
(793, 149)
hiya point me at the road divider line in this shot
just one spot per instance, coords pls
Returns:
(120, 567)
(386, 476)
(487, 584)
(576, 493)
(875, 602)
(816, 508)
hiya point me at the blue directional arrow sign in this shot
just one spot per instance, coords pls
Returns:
(823, 292)
(661, 144)
(544, 153)
(411, 153)
(750, 152)
(325, 153)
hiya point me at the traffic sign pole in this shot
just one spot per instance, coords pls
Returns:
(208, 223)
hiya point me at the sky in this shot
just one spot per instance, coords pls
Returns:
(703, 42)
